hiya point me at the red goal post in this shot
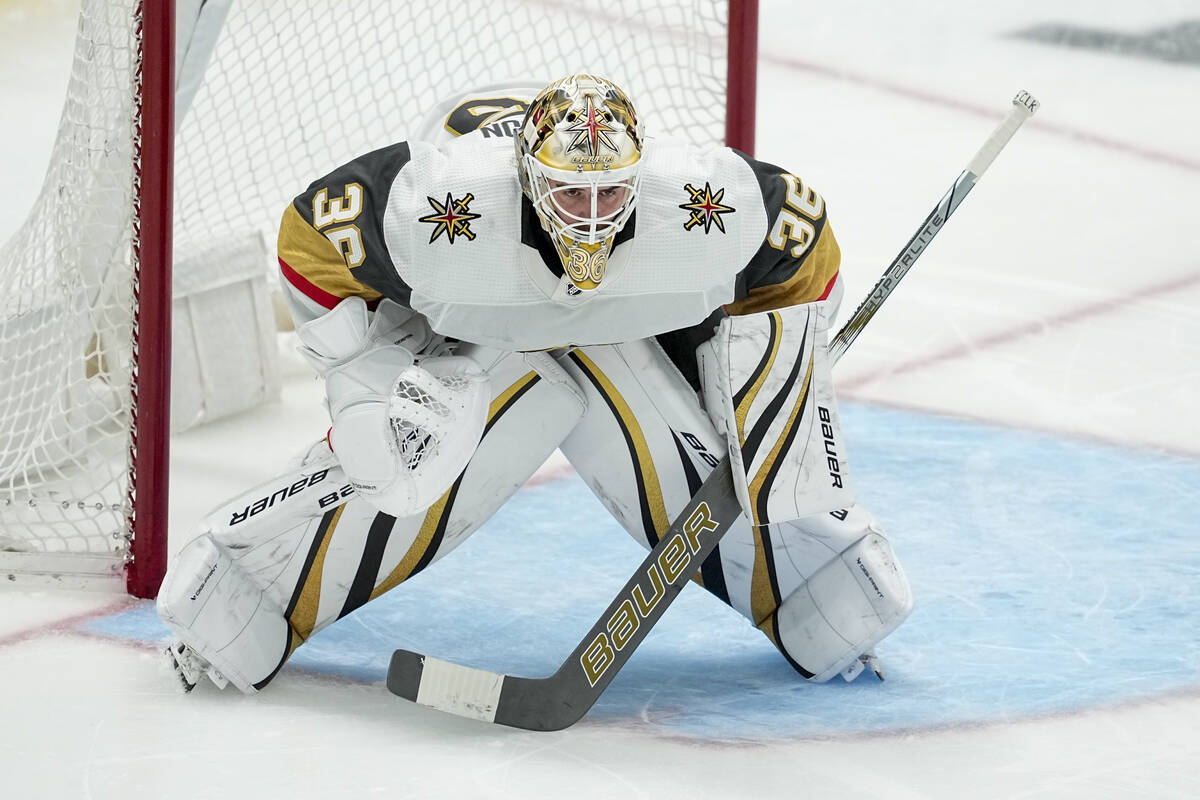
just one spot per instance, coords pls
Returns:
(267, 95)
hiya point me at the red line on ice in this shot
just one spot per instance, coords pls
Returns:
(990, 113)
(1024, 330)
(68, 624)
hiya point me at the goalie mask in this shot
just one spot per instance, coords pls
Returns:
(578, 154)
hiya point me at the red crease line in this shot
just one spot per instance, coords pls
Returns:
(67, 624)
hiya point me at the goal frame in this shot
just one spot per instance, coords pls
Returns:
(150, 410)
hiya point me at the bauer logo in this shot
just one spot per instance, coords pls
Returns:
(701, 451)
(334, 498)
(670, 567)
(277, 496)
(831, 456)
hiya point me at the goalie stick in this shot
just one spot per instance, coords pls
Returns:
(555, 702)
(1024, 104)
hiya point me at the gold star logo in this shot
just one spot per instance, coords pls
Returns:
(452, 218)
(706, 208)
(591, 131)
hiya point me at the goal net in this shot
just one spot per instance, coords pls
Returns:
(269, 95)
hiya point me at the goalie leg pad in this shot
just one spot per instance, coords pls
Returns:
(275, 566)
(218, 612)
(645, 445)
(767, 386)
(842, 610)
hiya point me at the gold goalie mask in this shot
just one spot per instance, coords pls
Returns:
(578, 154)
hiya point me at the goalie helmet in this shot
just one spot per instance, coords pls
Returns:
(578, 154)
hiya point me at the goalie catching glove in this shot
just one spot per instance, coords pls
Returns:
(404, 427)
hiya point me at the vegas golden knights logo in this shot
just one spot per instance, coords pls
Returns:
(592, 131)
(452, 218)
(705, 208)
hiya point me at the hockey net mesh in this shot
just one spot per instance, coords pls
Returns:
(292, 89)
(65, 333)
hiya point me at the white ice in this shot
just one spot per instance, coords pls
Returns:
(1061, 300)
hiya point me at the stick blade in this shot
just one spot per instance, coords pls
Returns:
(544, 704)
(465, 691)
(404, 674)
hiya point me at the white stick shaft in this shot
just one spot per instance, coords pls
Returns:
(1024, 105)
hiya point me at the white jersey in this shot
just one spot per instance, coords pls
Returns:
(445, 230)
(480, 281)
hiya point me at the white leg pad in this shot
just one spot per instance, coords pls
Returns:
(220, 613)
(845, 609)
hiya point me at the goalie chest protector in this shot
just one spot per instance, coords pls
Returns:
(453, 230)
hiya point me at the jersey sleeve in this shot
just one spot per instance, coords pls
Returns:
(799, 258)
(331, 243)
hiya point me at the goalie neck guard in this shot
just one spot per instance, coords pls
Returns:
(578, 154)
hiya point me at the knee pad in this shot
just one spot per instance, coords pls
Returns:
(216, 609)
(843, 610)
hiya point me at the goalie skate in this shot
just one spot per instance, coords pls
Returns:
(190, 668)
(864, 661)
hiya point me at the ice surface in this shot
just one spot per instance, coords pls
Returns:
(1021, 419)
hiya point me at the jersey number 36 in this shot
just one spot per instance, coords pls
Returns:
(345, 209)
(801, 208)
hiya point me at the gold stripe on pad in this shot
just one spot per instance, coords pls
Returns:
(645, 464)
(770, 626)
(762, 598)
(304, 615)
(760, 477)
(417, 549)
(743, 408)
(503, 398)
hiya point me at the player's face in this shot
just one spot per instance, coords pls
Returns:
(575, 200)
